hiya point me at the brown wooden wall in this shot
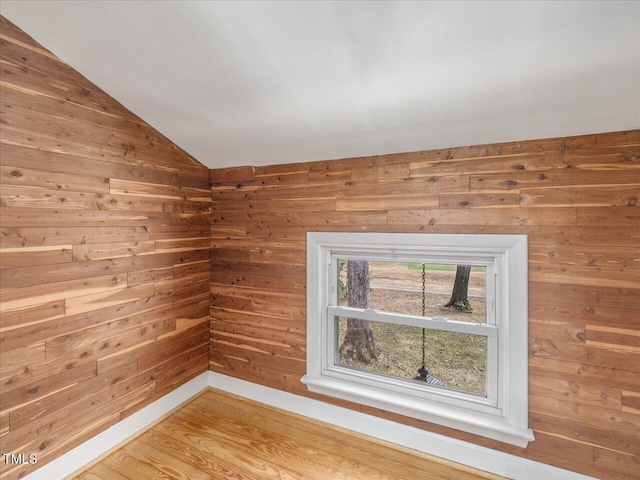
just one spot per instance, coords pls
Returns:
(105, 258)
(576, 198)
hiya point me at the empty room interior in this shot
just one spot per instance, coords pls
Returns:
(319, 240)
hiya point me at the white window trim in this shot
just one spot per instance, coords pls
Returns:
(502, 415)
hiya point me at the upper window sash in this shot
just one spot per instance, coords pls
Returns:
(490, 263)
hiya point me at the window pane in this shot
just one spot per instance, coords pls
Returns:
(397, 287)
(457, 359)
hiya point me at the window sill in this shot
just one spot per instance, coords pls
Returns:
(484, 424)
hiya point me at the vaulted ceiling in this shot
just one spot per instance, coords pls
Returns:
(255, 83)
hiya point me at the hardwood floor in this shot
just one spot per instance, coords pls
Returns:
(221, 436)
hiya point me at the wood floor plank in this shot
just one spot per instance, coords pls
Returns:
(168, 463)
(202, 464)
(131, 468)
(231, 455)
(222, 436)
(101, 471)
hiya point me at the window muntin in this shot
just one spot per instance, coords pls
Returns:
(502, 413)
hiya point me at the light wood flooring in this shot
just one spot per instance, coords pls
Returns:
(221, 436)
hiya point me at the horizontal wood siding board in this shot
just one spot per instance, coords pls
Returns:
(582, 373)
(554, 178)
(35, 237)
(607, 438)
(489, 164)
(113, 262)
(105, 258)
(595, 316)
(34, 217)
(612, 195)
(232, 175)
(575, 199)
(32, 178)
(59, 162)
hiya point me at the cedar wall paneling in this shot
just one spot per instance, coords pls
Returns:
(105, 255)
(576, 198)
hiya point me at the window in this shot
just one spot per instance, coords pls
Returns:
(396, 289)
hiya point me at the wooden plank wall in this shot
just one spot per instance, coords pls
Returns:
(576, 198)
(105, 255)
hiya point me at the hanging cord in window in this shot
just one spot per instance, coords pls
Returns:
(423, 373)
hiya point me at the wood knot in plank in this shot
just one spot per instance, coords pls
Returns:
(509, 183)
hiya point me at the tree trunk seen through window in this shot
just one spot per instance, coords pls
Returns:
(459, 297)
(358, 344)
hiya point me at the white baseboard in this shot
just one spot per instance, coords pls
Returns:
(466, 453)
(91, 450)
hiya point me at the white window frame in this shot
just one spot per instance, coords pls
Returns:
(503, 413)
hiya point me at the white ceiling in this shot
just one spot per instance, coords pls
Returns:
(255, 83)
